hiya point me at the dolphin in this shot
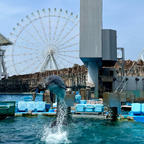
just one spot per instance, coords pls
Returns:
(56, 86)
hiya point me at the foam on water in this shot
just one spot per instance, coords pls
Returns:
(51, 137)
(57, 134)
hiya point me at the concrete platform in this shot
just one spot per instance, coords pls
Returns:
(74, 115)
(34, 114)
(101, 117)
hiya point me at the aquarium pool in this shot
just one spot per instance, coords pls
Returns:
(35, 130)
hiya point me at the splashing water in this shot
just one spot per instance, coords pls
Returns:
(56, 134)
(57, 137)
(61, 114)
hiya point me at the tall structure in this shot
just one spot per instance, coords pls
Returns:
(3, 42)
(90, 29)
(109, 47)
(97, 47)
(90, 38)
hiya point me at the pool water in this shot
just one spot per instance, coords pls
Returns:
(35, 130)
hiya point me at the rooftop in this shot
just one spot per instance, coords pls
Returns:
(4, 41)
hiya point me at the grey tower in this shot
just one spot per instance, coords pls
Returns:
(91, 38)
(97, 47)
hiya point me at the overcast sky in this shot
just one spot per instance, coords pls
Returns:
(126, 16)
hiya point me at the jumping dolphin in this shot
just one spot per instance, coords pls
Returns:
(56, 85)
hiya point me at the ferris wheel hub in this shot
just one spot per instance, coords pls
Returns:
(51, 51)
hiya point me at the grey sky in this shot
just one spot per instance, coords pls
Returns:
(126, 16)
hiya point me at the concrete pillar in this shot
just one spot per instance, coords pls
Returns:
(93, 76)
(2, 64)
(91, 38)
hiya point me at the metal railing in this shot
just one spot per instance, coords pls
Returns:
(124, 82)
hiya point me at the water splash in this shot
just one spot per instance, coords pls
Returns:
(52, 136)
(57, 134)
(61, 114)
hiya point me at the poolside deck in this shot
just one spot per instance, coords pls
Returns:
(19, 114)
(74, 115)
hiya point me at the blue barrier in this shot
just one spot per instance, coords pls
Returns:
(80, 108)
(89, 108)
(77, 98)
(24, 106)
(31, 106)
(51, 110)
(83, 101)
(142, 108)
(99, 108)
(40, 106)
(136, 108)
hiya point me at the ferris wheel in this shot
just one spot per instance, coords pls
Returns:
(141, 56)
(44, 40)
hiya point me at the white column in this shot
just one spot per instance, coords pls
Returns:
(2, 64)
(93, 76)
(1, 71)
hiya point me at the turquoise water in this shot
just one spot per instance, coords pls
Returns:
(35, 130)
